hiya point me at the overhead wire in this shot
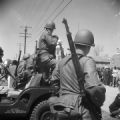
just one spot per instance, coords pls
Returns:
(56, 14)
(50, 15)
(35, 6)
(38, 10)
(43, 15)
(54, 10)
(62, 10)
(30, 7)
(27, 11)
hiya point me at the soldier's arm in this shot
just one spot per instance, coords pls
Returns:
(91, 75)
(93, 85)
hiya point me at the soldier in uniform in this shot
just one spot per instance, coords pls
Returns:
(25, 70)
(46, 59)
(69, 92)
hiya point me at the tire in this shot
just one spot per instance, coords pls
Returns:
(41, 111)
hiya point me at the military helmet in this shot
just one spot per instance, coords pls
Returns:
(1, 51)
(7, 62)
(26, 56)
(84, 37)
(50, 25)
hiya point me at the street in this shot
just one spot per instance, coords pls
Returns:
(110, 96)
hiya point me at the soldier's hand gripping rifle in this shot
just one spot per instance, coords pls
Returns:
(80, 74)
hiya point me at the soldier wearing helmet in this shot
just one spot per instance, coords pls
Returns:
(46, 37)
(69, 89)
(45, 57)
(25, 70)
(50, 25)
(84, 38)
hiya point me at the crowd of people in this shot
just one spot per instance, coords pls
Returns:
(109, 75)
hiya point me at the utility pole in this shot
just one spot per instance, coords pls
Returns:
(26, 34)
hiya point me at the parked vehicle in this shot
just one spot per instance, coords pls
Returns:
(30, 103)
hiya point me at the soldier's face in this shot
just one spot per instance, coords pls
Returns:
(50, 31)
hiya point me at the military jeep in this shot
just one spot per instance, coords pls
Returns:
(31, 102)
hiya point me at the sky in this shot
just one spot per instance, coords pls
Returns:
(97, 16)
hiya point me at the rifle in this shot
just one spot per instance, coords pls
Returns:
(18, 61)
(80, 75)
(7, 70)
(75, 59)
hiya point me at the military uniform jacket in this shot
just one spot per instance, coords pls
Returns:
(69, 86)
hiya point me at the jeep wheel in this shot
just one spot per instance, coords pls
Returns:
(41, 112)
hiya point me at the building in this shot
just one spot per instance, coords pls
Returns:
(115, 60)
(102, 61)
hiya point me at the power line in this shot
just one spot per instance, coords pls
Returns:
(54, 10)
(34, 4)
(43, 15)
(62, 10)
(52, 13)
(49, 17)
